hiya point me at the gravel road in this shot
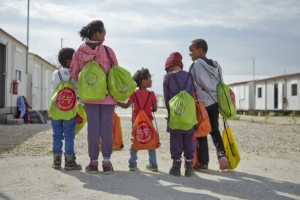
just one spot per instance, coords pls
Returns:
(269, 167)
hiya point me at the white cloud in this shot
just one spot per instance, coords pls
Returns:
(144, 32)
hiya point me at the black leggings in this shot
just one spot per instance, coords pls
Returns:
(213, 113)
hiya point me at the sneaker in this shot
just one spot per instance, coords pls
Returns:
(107, 167)
(152, 168)
(175, 169)
(223, 163)
(132, 167)
(92, 169)
(189, 170)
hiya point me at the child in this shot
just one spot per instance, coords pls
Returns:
(64, 129)
(180, 140)
(99, 113)
(205, 73)
(140, 97)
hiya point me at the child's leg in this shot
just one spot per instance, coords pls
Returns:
(203, 150)
(213, 113)
(69, 133)
(57, 137)
(152, 158)
(176, 148)
(57, 128)
(188, 145)
(152, 166)
(93, 135)
(176, 145)
(106, 135)
(133, 157)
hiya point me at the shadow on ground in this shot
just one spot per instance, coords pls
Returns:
(209, 185)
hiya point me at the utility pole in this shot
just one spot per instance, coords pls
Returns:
(27, 44)
(253, 69)
(61, 43)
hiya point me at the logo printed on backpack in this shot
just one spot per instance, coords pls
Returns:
(66, 99)
(91, 78)
(143, 133)
(122, 87)
(179, 110)
(78, 119)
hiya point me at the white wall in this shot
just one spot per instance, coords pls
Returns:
(293, 101)
(15, 60)
(244, 96)
(40, 83)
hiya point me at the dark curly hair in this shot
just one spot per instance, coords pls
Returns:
(93, 27)
(141, 75)
(200, 44)
(64, 55)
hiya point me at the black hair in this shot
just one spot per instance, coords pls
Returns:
(64, 55)
(200, 44)
(93, 27)
(140, 75)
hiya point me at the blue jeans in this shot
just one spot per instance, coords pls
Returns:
(63, 129)
(133, 157)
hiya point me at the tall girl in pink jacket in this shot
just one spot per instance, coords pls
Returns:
(99, 113)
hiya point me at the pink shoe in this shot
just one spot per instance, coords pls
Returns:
(223, 163)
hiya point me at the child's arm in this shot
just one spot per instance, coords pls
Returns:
(124, 105)
(154, 107)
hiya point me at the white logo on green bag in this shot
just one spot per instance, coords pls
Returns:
(65, 99)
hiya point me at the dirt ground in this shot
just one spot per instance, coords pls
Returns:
(254, 138)
(269, 151)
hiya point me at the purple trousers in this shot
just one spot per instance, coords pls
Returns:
(99, 121)
(182, 142)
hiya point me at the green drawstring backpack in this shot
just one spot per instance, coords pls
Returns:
(182, 109)
(226, 105)
(80, 118)
(92, 84)
(63, 101)
(120, 83)
(226, 98)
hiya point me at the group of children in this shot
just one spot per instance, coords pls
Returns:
(199, 80)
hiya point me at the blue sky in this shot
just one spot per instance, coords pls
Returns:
(144, 32)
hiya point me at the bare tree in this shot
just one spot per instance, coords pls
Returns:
(53, 59)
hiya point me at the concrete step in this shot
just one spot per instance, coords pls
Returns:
(5, 117)
(15, 121)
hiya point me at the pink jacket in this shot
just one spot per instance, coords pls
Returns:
(84, 54)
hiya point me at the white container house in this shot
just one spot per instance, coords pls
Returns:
(39, 82)
(31, 77)
(12, 69)
(278, 93)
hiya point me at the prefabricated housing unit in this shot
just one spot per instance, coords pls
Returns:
(278, 93)
(32, 76)
(39, 82)
(12, 68)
